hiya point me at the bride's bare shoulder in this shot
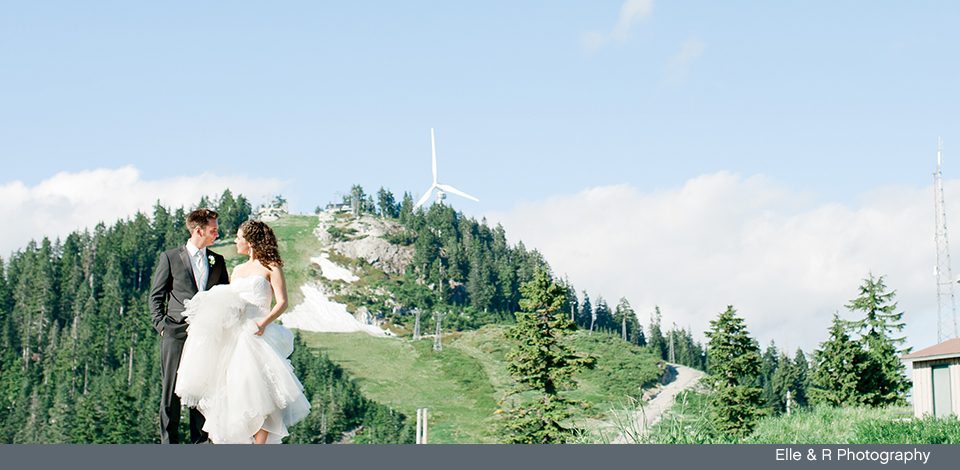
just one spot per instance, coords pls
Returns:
(274, 270)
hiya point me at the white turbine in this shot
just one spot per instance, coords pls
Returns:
(441, 195)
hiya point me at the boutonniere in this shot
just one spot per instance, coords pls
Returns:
(212, 260)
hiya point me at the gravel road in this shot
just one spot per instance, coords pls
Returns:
(638, 421)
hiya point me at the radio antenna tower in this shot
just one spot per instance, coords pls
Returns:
(946, 308)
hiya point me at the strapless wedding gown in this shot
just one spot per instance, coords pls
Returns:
(241, 382)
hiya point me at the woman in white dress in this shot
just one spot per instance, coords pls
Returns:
(234, 366)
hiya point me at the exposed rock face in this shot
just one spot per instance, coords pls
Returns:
(364, 316)
(366, 242)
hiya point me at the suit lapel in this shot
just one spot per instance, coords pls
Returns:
(185, 257)
(213, 270)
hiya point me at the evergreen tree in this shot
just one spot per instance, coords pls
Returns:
(570, 306)
(388, 206)
(838, 367)
(241, 211)
(88, 426)
(204, 203)
(164, 228)
(656, 342)
(120, 416)
(11, 387)
(542, 363)
(226, 209)
(879, 310)
(686, 350)
(735, 361)
(629, 324)
(406, 208)
(4, 295)
(357, 197)
(604, 317)
(35, 424)
(801, 378)
(781, 380)
(585, 315)
(884, 377)
(768, 367)
(788, 376)
(60, 418)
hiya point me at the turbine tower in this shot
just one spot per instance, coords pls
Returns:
(946, 308)
(441, 195)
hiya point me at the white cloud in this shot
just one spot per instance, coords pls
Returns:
(679, 65)
(631, 13)
(784, 261)
(74, 201)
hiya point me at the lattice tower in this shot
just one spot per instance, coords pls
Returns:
(437, 343)
(946, 307)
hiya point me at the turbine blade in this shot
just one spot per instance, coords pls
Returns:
(433, 146)
(451, 189)
(423, 199)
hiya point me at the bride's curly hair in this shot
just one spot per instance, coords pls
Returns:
(262, 241)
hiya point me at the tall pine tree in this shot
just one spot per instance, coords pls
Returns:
(735, 362)
(884, 378)
(838, 368)
(543, 364)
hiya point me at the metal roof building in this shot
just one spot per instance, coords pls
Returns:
(936, 379)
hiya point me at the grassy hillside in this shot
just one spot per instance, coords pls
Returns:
(297, 245)
(463, 383)
(407, 375)
(622, 370)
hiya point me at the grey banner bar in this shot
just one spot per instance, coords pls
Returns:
(478, 456)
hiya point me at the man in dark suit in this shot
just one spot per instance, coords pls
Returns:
(181, 273)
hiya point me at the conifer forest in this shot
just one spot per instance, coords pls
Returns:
(79, 358)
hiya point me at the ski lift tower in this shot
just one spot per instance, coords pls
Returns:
(437, 337)
(946, 307)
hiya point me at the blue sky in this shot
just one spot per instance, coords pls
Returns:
(828, 105)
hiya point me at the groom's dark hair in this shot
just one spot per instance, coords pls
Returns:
(200, 218)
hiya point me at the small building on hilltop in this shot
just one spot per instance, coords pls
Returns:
(331, 207)
(936, 379)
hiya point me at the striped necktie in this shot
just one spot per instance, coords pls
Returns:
(201, 268)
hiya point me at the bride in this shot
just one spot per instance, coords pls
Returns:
(234, 367)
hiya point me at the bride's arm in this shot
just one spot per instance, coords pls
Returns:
(279, 284)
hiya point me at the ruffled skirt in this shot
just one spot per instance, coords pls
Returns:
(241, 382)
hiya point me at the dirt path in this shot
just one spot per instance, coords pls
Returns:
(636, 422)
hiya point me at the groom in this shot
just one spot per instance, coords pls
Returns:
(181, 273)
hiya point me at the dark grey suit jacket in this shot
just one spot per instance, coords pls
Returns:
(173, 284)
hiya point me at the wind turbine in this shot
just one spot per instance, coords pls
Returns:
(441, 195)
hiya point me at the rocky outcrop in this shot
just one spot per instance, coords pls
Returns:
(365, 242)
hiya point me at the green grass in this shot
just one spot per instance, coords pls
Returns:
(621, 371)
(406, 375)
(818, 425)
(914, 431)
(463, 383)
(297, 244)
(228, 249)
(688, 423)
(855, 425)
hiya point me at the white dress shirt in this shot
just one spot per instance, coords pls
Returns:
(201, 268)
